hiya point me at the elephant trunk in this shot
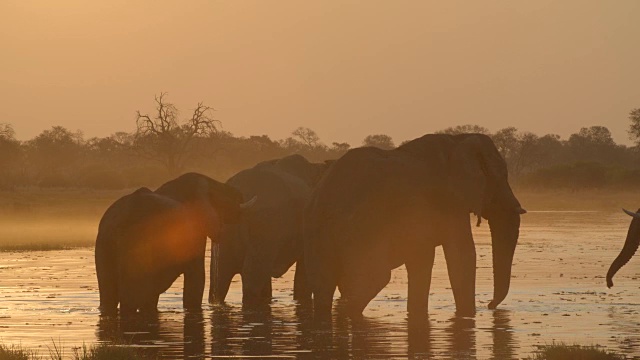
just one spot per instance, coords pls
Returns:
(221, 273)
(629, 248)
(505, 229)
(256, 278)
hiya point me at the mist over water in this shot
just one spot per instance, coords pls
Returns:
(558, 293)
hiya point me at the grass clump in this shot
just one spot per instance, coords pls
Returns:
(112, 352)
(94, 352)
(15, 353)
(573, 352)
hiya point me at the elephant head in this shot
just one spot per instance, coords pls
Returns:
(630, 246)
(479, 177)
(210, 203)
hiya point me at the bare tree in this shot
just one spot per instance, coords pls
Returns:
(306, 136)
(166, 139)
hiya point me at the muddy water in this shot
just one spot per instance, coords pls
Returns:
(558, 293)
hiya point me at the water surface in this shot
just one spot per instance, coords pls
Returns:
(558, 293)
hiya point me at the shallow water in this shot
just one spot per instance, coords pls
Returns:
(558, 293)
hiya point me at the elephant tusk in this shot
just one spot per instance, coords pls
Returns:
(248, 204)
(631, 213)
(520, 210)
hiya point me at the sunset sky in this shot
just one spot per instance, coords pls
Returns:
(346, 69)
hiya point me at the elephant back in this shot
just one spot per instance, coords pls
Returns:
(126, 211)
(372, 178)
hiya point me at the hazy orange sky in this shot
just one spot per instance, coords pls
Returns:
(346, 69)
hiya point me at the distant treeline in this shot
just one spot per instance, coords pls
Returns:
(163, 146)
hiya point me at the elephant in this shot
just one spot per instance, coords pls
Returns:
(375, 210)
(267, 241)
(148, 238)
(630, 246)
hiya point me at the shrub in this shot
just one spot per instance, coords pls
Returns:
(15, 353)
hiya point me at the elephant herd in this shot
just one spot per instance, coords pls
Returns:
(345, 224)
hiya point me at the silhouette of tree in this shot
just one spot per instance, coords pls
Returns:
(593, 144)
(169, 141)
(519, 149)
(380, 141)
(634, 128)
(340, 147)
(550, 150)
(464, 129)
(7, 132)
(292, 145)
(10, 154)
(597, 135)
(53, 153)
(306, 136)
(507, 141)
(117, 142)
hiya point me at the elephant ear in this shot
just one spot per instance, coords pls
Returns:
(467, 174)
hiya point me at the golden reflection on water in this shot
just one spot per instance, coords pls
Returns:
(558, 293)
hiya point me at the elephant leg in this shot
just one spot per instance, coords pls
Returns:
(321, 265)
(194, 279)
(106, 271)
(127, 310)
(323, 300)
(130, 291)
(323, 280)
(128, 307)
(460, 254)
(150, 305)
(419, 270)
(301, 290)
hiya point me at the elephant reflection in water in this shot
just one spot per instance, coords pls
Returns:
(461, 335)
(156, 328)
(373, 338)
(504, 344)
(242, 332)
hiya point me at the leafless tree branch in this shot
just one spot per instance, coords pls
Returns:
(169, 140)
